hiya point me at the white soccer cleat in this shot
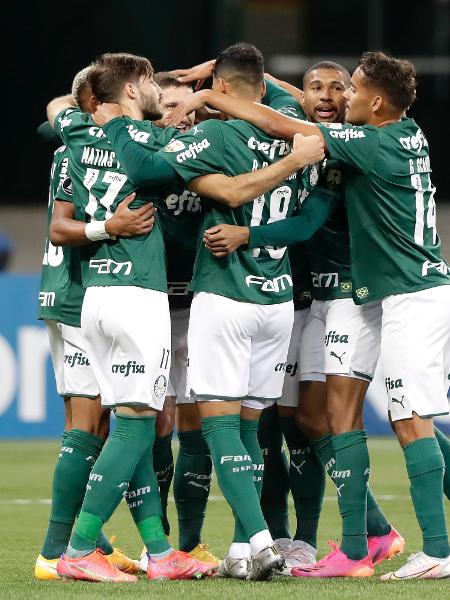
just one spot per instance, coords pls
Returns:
(420, 566)
(236, 568)
(295, 553)
(265, 564)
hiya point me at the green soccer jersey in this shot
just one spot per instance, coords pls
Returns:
(391, 210)
(262, 275)
(61, 292)
(99, 186)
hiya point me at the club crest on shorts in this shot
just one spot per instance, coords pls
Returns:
(160, 386)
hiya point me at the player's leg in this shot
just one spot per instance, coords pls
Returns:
(163, 455)
(444, 445)
(223, 342)
(415, 367)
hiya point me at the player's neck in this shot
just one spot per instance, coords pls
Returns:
(383, 120)
(131, 110)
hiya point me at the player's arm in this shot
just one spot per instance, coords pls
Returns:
(295, 92)
(66, 231)
(46, 132)
(237, 190)
(223, 239)
(267, 119)
(55, 106)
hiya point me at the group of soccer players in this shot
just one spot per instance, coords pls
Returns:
(169, 294)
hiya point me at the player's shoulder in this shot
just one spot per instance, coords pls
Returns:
(70, 116)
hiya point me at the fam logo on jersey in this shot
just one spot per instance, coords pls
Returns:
(441, 267)
(160, 386)
(348, 134)
(193, 150)
(414, 142)
(276, 284)
(362, 292)
(76, 359)
(130, 367)
(174, 146)
(106, 266)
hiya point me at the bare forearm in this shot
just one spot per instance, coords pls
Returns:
(65, 231)
(267, 119)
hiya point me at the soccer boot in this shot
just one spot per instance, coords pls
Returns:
(120, 560)
(420, 566)
(203, 553)
(92, 567)
(265, 564)
(178, 565)
(143, 560)
(45, 568)
(385, 547)
(235, 568)
(295, 553)
(337, 564)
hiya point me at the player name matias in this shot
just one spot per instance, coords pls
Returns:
(97, 157)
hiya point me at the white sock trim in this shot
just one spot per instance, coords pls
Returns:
(260, 540)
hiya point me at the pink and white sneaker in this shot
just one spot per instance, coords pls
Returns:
(337, 564)
(420, 566)
(385, 547)
(92, 567)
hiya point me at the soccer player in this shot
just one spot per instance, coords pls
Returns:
(130, 356)
(87, 424)
(241, 315)
(397, 265)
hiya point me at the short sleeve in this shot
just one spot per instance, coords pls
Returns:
(199, 151)
(65, 119)
(354, 146)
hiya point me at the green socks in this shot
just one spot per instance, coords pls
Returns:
(350, 475)
(307, 482)
(192, 482)
(249, 437)
(234, 470)
(110, 477)
(275, 489)
(444, 445)
(425, 466)
(78, 453)
(163, 467)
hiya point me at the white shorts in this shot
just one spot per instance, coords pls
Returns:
(178, 370)
(340, 338)
(289, 396)
(127, 332)
(415, 352)
(238, 350)
(73, 372)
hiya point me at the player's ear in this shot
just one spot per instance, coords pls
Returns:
(377, 103)
(263, 88)
(302, 98)
(129, 90)
(93, 103)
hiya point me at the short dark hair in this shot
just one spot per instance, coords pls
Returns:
(111, 71)
(395, 76)
(242, 62)
(165, 79)
(327, 64)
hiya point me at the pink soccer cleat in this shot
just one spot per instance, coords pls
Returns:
(385, 547)
(92, 567)
(337, 564)
(179, 565)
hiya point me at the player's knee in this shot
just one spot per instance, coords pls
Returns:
(313, 426)
(188, 418)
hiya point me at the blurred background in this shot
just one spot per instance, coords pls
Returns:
(45, 44)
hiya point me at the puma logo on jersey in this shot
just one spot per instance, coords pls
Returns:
(339, 488)
(399, 401)
(276, 284)
(332, 337)
(337, 356)
(298, 468)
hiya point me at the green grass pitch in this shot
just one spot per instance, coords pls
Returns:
(26, 470)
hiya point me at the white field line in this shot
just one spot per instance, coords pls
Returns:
(28, 501)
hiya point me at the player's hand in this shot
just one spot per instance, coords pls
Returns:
(126, 222)
(224, 239)
(198, 73)
(106, 112)
(192, 103)
(308, 149)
